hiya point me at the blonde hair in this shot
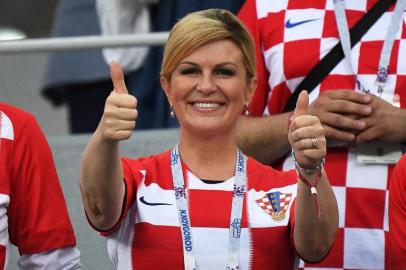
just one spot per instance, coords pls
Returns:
(202, 27)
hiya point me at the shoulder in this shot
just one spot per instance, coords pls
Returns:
(13, 119)
(266, 176)
(149, 162)
(151, 169)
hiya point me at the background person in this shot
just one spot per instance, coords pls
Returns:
(208, 75)
(291, 37)
(33, 214)
(397, 216)
(77, 79)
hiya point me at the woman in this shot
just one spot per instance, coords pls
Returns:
(173, 210)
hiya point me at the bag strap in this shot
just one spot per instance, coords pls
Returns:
(330, 60)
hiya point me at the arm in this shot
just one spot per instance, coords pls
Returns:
(264, 138)
(313, 236)
(101, 176)
(340, 112)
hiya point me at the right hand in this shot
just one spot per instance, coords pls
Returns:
(303, 128)
(340, 111)
(120, 111)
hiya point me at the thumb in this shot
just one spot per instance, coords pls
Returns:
(117, 77)
(302, 104)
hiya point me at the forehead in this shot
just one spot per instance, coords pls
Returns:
(216, 52)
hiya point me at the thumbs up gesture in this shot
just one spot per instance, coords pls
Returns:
(120, 111)
(306, 134)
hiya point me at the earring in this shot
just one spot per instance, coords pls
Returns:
(246, 109)
(172, 113)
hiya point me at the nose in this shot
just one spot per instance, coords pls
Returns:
(206, 84)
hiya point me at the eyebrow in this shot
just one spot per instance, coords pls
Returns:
(217, 65)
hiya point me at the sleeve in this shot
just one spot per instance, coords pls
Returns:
(397, 216)
(62, 259)
(248, 15)
(38, 217)
(124, 17)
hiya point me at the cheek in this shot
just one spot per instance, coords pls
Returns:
(237, 93)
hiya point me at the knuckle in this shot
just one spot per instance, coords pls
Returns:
(109, 122)
(109, 133)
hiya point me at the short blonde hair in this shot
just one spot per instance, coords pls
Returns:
(202, 27)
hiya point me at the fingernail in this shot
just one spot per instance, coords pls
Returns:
(351, 137)
(367, 98)
(361, 125)
(367, 109)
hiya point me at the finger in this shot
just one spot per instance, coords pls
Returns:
(308, 143)
(368, 135)
(302, 104)
(304, 121)
(115, 125)
(336, 134)
(117, 77)
(343, 122)
(307, 132)
(127, 114)
(349, 107)
(315, 154)
(122, 101)
(349, 95)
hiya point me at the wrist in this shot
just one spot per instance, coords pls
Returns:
(308, 171)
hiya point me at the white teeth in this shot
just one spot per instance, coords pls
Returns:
(209, 105)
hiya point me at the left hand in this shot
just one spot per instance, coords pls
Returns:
(309, 152)
(386, 123)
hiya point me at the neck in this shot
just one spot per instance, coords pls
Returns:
(209, 157)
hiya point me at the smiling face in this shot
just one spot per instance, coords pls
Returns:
(209, 88)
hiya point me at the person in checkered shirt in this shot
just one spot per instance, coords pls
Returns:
(291, 37)
(397, 216)
(243, 214)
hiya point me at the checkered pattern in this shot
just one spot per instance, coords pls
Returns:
(282, 203)
(285, 56)
(147, 232)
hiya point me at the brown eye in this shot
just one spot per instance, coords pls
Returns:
(187, 71)
(225, 72)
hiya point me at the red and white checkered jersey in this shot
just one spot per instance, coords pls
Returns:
(397, 217)
(149, 236)
(33, 214)
(291, 37)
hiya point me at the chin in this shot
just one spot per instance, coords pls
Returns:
(207, 128)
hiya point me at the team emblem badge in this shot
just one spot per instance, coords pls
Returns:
(275, 204)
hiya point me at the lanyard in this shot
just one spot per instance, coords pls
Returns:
(343, 31)
(240, 183)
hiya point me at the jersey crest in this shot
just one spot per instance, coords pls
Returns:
(275, 204)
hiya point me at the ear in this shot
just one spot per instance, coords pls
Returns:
(167, 89)
(249, 92)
